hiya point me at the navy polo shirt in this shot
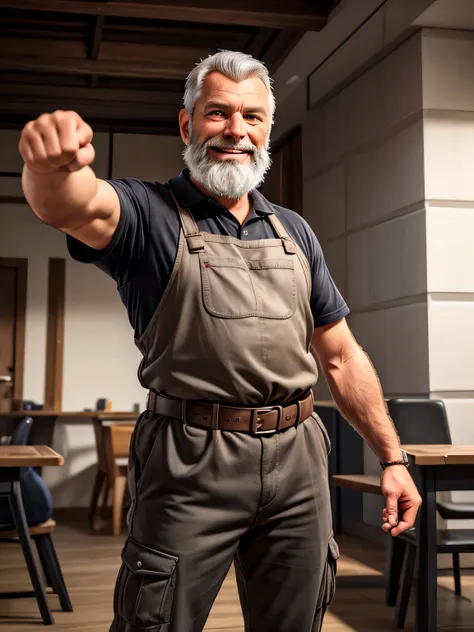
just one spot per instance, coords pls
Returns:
(141, 255)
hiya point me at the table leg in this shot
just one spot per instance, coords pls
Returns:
(19, 518)
(426, 599)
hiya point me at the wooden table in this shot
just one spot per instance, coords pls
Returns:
(436, 468)
(45, 420)
(14, 461)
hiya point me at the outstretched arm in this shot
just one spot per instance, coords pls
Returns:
(58, 182)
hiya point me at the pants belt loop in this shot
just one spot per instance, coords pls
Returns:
(298, 414)
(151, 401)
(184, 411)
(215, 416)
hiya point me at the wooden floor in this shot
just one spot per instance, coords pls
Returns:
(90, 564)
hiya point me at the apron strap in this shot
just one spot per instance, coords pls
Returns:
(193, 236)
(288, 243)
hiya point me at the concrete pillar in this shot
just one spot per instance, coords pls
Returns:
(448, 127)
(389, 190)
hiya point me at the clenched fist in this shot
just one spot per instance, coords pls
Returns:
(60, 141)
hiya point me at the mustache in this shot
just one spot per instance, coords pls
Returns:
(220, 143)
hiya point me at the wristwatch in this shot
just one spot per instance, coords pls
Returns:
(405, 462)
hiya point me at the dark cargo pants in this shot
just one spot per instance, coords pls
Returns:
(201, 499)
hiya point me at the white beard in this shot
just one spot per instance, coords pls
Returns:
(226, 178)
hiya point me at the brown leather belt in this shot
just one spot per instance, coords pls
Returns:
(263, 420)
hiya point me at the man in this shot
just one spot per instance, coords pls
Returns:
(227, 294)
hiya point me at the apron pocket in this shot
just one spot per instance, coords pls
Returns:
(275, 287)
(328, 584)
(227, 288)
(144, 592)
(236, 288)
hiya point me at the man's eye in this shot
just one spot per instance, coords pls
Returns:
(252, 117)
(216, 113)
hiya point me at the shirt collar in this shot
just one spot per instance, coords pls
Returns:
(188, 195)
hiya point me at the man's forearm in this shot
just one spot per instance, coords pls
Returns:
(60, 198)
(357, 392)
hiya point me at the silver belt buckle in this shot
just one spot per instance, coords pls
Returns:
(255, 420)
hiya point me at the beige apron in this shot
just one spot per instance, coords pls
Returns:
(234, 325)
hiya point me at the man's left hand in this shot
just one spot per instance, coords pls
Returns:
(402, 500)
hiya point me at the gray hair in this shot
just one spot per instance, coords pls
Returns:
(232, 64)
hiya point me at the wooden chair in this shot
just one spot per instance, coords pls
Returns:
(113, 446)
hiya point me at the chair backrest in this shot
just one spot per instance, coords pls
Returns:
(120, 436)
(37, 499)
(21, 434)
(422, 421)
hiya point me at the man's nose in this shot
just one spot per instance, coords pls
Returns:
(235, 127)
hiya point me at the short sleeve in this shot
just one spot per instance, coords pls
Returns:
(327, 304)
(121, 258)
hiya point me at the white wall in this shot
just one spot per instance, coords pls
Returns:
(100, 357)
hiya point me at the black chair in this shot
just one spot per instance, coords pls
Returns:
(41, 534)
(424, 421)
(22, 431)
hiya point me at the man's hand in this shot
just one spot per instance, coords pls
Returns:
(60, 141)
(402, 500)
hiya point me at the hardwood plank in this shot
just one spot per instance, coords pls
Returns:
(90, 564)
(277, 14)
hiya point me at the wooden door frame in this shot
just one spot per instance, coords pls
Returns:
(286, 136)
(292, 134)
(21, 266)
(53, 384)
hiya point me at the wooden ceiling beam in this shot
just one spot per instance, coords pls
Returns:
(89, 67)
(18, 93)
(96, 38)
(258, 42)
(94, 46)
(278, 49)
(102, 124)
(116, 59)
(276, 14)
(103, 110)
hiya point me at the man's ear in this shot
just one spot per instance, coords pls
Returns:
(184, 125)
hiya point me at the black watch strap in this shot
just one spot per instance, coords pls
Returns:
(385, 464)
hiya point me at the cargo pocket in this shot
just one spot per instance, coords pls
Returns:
(328, 583)
(144, 593)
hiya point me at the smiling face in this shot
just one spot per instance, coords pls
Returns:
(227, 140)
